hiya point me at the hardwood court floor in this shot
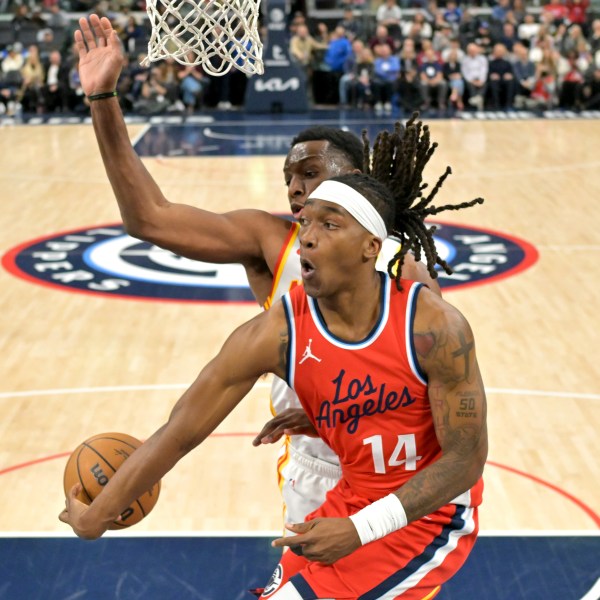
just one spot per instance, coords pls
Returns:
(74, 365)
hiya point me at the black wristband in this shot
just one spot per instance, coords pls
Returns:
(102, 96)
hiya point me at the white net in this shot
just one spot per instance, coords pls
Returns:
(217, 34)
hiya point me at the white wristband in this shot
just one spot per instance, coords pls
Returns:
(380, 518)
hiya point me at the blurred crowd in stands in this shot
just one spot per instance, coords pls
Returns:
(435, 56)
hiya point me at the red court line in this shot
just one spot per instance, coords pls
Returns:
(580, 504)
(584, 507)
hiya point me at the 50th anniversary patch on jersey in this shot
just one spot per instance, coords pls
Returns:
(105, 260)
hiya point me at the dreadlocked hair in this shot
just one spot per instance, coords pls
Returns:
(398, 160)
(345, 143)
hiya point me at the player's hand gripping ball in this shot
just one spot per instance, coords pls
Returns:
(95, 461)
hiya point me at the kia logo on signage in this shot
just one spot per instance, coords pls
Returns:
(276, 84)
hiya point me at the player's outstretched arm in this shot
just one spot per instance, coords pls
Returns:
(186, 230)
(256, 347)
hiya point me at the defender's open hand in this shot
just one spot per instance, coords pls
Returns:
(100, 55)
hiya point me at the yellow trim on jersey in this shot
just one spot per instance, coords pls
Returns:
(281, 263)
(282, 461)
(433, 593)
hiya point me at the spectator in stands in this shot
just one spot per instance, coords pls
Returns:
(408, 56)
(501, 79)
(518, 12)
(46, 45)
(577, 13)
(11, 79)
(36, 18)
(500, 11)
(418, 29)
(32, 74)
(570, 95)
(544, 92)
(442, 38)
(56, 84)
(474, 69)
(14, 59)
(167, 74)
(304, 48)
(352, 26)
(21, 18)
(542, 45)
(468, 28)
(338, 49)
(508, 36)
(56, 17)
(524, 71)
(436, 20)
(381, 37)
(484, 38)
(410, 93)
(350, 72)
(193, 85)
(152, 99)
(426, 45)
(451, 69)
(528, 29)
(433, 83)
(322, 35)
(591, 89)
(454, 47)
(584, 56)
(132, 35)
(389, 14)
(594, 37)
(543, 95)
(298, 19)
(556, 11)
(385, 78)
(361, 90)
(573, 39)
(453, 14)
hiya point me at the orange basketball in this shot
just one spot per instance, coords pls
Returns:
(95, 461)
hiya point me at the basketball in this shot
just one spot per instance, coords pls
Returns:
(95, 461)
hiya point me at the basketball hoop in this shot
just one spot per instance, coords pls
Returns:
(217, 34)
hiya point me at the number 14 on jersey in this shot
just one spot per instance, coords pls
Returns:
(406, 446)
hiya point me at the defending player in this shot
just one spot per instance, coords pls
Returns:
(264, 244)
(386, 372)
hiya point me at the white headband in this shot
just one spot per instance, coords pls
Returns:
(354, 202)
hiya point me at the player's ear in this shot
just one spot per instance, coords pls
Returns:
(373, 247)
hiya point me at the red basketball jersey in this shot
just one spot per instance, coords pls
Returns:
(368, 399)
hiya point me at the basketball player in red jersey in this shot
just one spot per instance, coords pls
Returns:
(264, 244)
(387, 374)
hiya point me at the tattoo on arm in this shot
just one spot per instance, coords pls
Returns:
(464, 350)
(467, 405)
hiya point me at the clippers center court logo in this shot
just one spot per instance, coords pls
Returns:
(105, 260)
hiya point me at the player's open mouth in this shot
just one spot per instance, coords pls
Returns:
(296, 209)
(307, 268)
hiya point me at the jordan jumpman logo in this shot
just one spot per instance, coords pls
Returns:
(308, 353)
